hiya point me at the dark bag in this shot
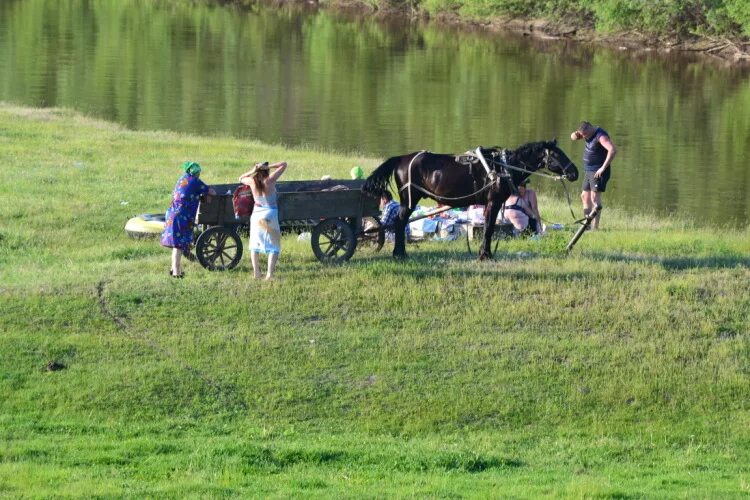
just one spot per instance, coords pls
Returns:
(243, 202)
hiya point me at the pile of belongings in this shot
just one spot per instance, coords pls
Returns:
(445, 226)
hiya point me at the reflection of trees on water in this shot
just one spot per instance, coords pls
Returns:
(291, 76)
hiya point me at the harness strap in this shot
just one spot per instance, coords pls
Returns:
(507, 177)
(408, 182)
(504, 162)
(448, 198)
(491, 174)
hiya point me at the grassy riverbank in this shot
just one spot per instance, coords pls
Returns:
(620, 370)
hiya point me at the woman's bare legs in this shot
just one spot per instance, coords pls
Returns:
(176, 262)
(255, 259)
(273, 258)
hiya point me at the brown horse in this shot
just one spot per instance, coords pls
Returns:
(465, 180)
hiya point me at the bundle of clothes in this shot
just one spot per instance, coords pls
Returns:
(445, 226)
(452, 224)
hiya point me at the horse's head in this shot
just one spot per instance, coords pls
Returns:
(536, 155)
(557, 161)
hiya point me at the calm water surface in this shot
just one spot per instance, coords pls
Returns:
(284, 75)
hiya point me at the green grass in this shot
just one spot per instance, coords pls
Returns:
(621, 370)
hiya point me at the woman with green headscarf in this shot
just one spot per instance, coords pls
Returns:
(178, 231)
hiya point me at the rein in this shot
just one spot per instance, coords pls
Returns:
(532, 172)
(542, 174)
(570, 205)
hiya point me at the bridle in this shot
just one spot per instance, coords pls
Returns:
(544, 164)
(548, 155)
(503, 163)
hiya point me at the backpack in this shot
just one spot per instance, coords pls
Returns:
(243, 202)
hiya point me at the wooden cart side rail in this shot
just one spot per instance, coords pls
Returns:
(297, 186)
(298, 200)
(324, 205)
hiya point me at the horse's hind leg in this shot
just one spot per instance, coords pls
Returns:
(404, 212)
(490, 216)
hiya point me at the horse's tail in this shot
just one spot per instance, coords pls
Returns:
(377, 183)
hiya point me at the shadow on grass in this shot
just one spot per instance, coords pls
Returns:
(275, 460)
(442, 263)
(675, 263)
(456, 264)
(430, 255)
(472, 463)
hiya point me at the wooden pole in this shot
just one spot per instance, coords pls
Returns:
(584, 227)
(429, 214)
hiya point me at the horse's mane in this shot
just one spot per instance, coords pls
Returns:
(529, 148)
(523, 150)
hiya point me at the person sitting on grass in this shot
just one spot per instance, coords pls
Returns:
(389, 214)
(522, 210)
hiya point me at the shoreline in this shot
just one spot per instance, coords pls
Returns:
(728, 51)
(724, 50)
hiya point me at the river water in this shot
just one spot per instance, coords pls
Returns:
(345, 83)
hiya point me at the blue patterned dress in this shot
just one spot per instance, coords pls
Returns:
(178, 231)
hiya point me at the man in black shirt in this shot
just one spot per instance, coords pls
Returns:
(597, 160)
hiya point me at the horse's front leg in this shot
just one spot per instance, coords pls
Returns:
(490, 216)
(399, 249)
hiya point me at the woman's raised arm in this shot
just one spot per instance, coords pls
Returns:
(280, 167)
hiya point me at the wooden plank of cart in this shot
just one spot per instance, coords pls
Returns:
(332, 209)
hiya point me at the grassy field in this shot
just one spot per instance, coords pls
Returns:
(622, 370)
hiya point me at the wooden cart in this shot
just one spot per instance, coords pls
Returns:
(332, 210)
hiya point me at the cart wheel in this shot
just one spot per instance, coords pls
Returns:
(333, 241)
(371, 239)
(381, 240)
(219, 249)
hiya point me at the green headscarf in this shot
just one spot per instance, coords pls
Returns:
(357, 173)
(192, 168)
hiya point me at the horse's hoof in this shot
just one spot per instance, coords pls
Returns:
(485, 256)
(399, 256)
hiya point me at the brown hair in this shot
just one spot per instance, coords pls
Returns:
(584, 126)
(260, 176)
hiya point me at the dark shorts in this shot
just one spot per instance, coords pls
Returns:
(591, 183)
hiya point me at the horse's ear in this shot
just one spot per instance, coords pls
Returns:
(554, 141)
